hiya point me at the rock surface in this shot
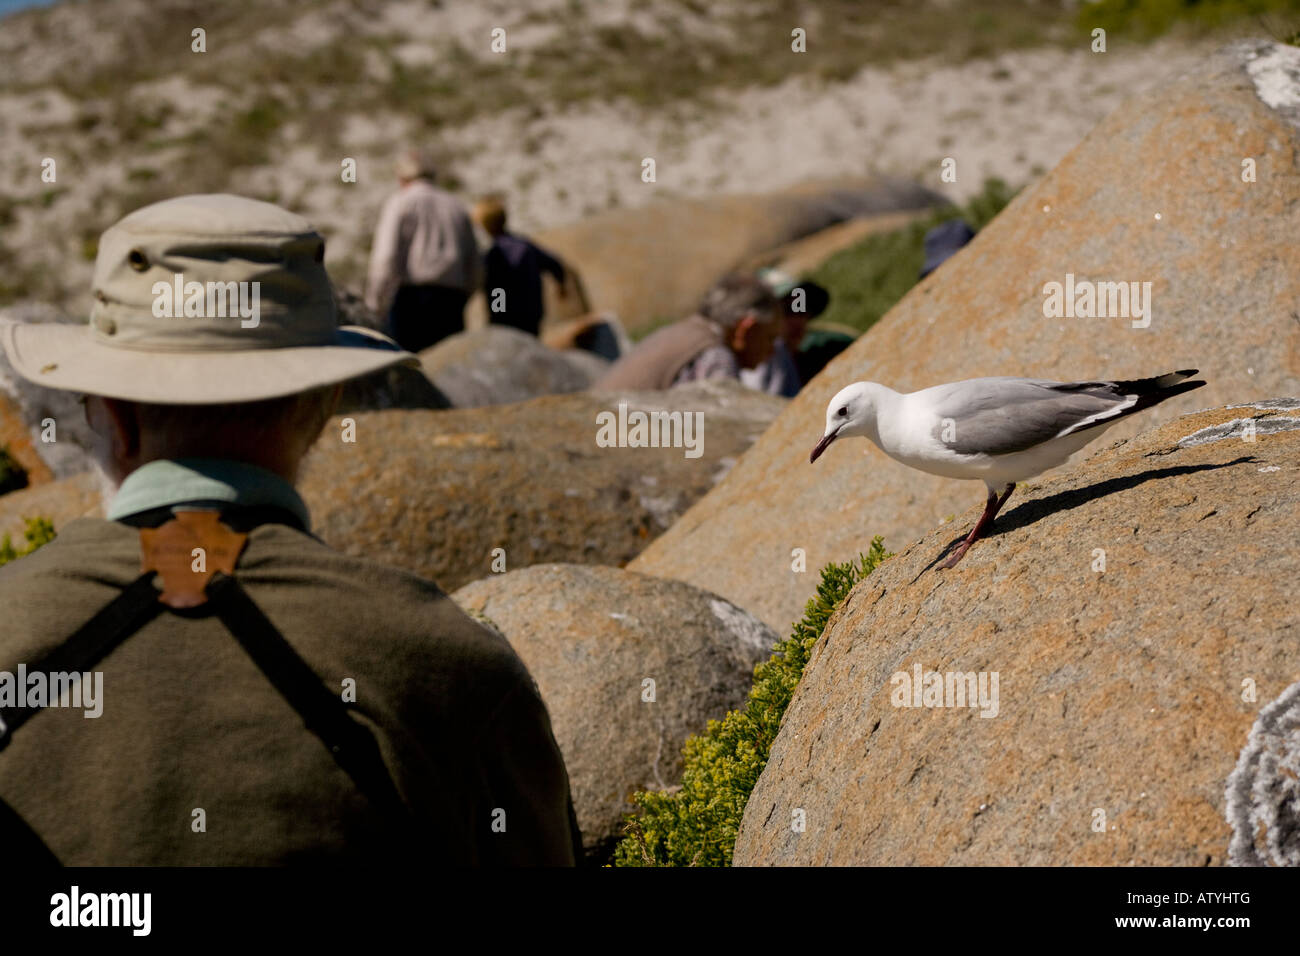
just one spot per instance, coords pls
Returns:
(1222, 263)
(593, 638)
(498, 365)
(399, 387)
(61, 501)
(24, 406)
(1122, 704)
(16, 442)
(436, 492)
(656, 262)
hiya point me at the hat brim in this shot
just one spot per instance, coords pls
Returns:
(67, 357)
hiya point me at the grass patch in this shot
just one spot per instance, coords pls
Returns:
(39, 531)
(696, 824)
(1147, 19)
(867, 279)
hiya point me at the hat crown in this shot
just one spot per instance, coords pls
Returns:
(212, 272)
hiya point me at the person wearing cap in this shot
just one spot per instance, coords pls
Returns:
(513, 271)
(943, 242)
(264, 698)
(735, 328)
(801, 302)
(424, 262)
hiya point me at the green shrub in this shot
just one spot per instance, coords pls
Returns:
(696, 824)
(867, 279)
(39, 531)
(12, 475)
(1150, 18)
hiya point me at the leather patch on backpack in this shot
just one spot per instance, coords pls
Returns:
(186, 552)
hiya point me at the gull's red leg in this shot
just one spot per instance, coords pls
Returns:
(991, 507)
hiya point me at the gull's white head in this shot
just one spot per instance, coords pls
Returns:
(851, 412)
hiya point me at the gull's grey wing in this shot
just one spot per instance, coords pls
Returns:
(999, 416)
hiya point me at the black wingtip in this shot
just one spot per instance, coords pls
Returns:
(1163, 383)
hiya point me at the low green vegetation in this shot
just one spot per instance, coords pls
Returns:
(696, 824)
(1145, 19)
(867, 279)
(39, 531)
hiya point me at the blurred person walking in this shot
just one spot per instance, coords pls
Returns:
(425, 261)
(513, 271)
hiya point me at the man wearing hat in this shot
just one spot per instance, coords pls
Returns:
(734, 328)
(258, 698)
(801, 302)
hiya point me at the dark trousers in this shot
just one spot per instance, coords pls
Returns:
(423, 315)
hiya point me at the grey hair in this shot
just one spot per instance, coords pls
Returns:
(737, 295)
(416, 164)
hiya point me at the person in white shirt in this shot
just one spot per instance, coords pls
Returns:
(425, 261)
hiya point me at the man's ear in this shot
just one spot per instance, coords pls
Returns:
(332, 400)
(325, 408)
(740, 334)
(115, 420)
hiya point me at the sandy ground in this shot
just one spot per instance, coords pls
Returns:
(1013, 116)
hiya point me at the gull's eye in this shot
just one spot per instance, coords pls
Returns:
(844, 410)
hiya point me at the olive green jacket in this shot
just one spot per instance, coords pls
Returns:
(190, 724)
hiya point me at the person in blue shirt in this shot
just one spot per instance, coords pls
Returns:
(514, 267)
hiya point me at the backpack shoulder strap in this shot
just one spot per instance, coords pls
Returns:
(91, 643)
(180, 552)
(352, 745)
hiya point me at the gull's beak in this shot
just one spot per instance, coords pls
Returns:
(822, 446)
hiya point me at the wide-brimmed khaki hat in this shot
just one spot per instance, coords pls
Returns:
(204, 300)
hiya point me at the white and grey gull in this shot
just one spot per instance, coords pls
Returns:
(997, 430)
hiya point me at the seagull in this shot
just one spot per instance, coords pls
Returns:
(999, 430)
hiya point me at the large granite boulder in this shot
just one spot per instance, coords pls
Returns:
(1140, 615)
(1154, 194)
(438, 491)
(629, 666)
(498, 365)
(655, 262)
(398, 387)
